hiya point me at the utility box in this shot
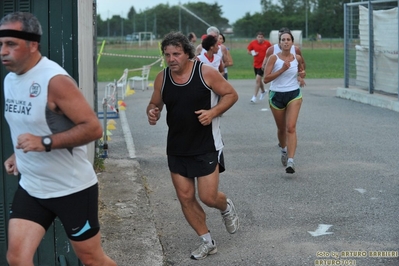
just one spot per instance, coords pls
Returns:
(69, 38)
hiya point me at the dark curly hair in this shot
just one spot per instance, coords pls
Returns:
(178, 39)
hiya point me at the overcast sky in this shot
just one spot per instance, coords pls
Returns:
(232, 9)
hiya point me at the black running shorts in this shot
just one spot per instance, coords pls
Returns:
(196, 166)
(258, 71)
(280, 100)
(77, 212)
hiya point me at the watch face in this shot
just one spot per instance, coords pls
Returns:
(46, 141)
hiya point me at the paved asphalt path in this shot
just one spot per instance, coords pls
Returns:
(346, 183)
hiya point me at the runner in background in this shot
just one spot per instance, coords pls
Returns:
(228, 59)
(257, 48)
(211, 57)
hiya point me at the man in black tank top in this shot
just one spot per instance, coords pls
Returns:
(190, 92)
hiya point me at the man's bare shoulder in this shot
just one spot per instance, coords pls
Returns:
(223, 47)
(297, 49)
(198, 50)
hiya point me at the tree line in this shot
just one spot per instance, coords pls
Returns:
(311, 16)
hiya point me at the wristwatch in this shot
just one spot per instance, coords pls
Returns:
(47, 141)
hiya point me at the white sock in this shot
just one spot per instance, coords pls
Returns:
(290, 160)
(284, 149)
(207, 237)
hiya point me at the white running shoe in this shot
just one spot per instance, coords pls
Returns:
(253, 99)
(290, 169)
(230, 218)
(262, 95)
(204, 250)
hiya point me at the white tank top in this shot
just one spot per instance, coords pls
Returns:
(215, 62)
(287, 81)
(219, 53)
(51, 174)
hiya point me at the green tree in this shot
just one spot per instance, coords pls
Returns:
(290, 7)
(132, 12)
(164, 18)
(101, 26)
(267, 5)
(315, 16)
(245, 26)
(329, 17)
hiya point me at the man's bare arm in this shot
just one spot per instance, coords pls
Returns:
(269, 52)
(64, 97)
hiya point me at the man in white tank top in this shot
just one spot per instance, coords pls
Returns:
(50, 123)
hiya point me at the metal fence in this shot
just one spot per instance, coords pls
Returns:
(371, 46)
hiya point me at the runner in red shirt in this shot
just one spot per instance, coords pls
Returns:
(257, 48)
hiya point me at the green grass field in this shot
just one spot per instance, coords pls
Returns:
(321, 62)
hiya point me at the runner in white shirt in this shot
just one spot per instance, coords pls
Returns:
(276, 49)
(285, 97)
(50, 123)
(210, 55)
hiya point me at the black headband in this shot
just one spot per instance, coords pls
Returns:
(28, 36)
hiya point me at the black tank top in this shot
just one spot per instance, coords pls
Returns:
(186, 135)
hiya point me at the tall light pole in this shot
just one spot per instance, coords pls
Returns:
(155, 26)
(145, 21)
(179, 17)
(134, 22)
(108, 23)
(122, 25)
(306, 14)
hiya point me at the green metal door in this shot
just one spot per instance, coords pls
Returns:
(59, 43)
